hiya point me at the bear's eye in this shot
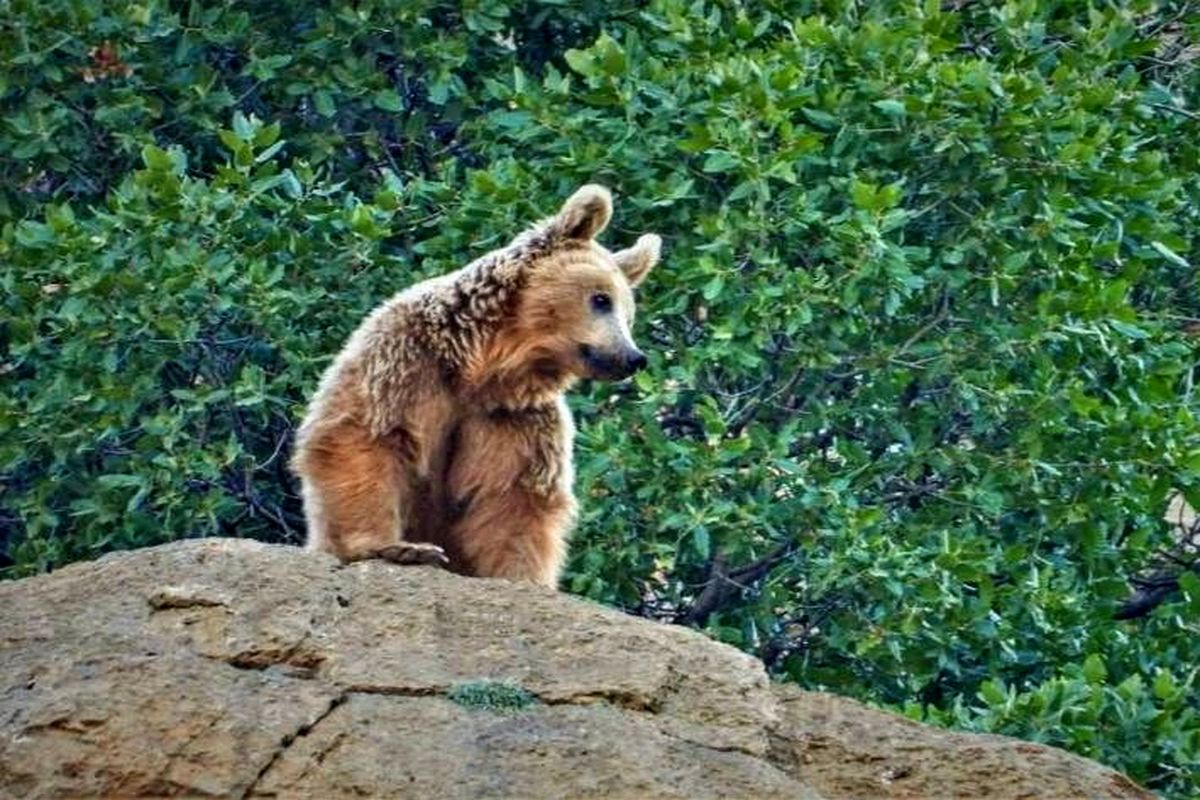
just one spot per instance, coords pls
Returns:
(601, 303)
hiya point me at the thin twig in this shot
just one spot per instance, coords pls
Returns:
(1176, 109)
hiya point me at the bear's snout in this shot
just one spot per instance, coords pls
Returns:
(614, 365)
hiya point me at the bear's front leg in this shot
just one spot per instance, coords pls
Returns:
(357, 497)
(510, 480)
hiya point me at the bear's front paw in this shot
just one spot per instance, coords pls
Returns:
(414, 553)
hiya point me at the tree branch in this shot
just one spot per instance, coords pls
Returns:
(1146, 599)
(723, 583)
(1151, 593)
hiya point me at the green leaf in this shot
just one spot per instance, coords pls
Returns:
(893, 108)
(1170, 255)
(230, 140)
(120, 480)
(1164, 685)
(323, 102)
(267, 135)
(822, 119)
(713, 288)
(719, 161)
(580, 61)
(513, 119)
(1127, 329)
(242, 127)
(269, 153)
(156, 158)
(992, 692)
(1189, 582)
(1094, 670)
(610, 56)
(702, 543)
(388, 100)
(864, 195)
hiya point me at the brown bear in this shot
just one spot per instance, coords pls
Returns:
(440, 433)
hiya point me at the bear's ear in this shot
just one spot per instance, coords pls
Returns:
(637, 261)
(585, 214)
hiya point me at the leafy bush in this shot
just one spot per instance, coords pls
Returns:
(1084, 711)
(88, 83)
(159, 347)
(922, 348)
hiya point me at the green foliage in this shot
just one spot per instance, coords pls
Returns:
(86, 84)
(919, 347)
(156, 352)
(1087, 713)
(498, 697)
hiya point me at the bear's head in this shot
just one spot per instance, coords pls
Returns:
(574, 313)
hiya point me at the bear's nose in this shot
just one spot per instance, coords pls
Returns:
(637, 361)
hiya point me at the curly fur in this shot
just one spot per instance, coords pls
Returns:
(443, 421)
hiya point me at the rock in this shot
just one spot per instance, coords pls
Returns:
(229, 668)
(848, 750)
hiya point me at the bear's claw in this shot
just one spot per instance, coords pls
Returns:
(408, 553)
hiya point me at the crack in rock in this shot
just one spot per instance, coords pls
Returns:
(720, 748)
(180, 597)
(396, 691)
(626, 700)
(303, 730)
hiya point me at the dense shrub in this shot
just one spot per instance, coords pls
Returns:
(922, 376)
(87, 84)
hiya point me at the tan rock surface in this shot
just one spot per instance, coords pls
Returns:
(229, 668)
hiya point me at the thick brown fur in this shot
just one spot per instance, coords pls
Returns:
(440, 432)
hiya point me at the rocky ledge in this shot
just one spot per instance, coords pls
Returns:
(229, 668)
